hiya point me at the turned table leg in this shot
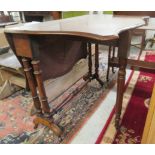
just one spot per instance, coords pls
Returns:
(46, 119)
(96, 75)
(120, 90)
(108, 69)
(89, 60)
(31, 82)
(113, 55)
(42, 94)
(123, 51)
(89, 75)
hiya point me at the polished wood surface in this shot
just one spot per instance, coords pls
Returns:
(149, 24)
(98, 27)
(32, 41)
(151, 14)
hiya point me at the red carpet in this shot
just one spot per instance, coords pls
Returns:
(134, 117)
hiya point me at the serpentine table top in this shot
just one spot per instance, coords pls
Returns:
(98, 27)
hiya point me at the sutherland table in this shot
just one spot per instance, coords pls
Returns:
(50, 49)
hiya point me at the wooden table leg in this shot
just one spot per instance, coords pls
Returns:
(31, 82)
(89, 75)
(108, 69)
(46, 119)
(123, 51)
(89, 60)
(120, 90)
(48, 123)
(113, 55)
(96, 75)
(42, 94)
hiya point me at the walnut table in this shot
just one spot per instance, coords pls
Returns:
(50, 49)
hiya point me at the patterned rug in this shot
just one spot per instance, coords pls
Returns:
(135, 106)
(16, 124)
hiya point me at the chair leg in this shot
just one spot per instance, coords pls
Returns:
(108, 69)
(113, 55)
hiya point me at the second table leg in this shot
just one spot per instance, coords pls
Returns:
(47, 119)
(42, 94)
(96, 75)
(31, 82)
(120, 90)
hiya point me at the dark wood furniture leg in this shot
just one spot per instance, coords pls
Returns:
(31, 81)
(123, 51)
(89, 75)
(120, 90)
(46, 119)
(96, 75)
(42, 94)
(109, 59)
(89, 60)
(108, 69)
(113, 55)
